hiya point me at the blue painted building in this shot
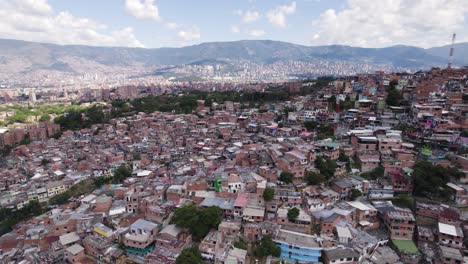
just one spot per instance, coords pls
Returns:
(297, 247)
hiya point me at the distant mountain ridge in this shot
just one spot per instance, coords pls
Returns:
(41, 56)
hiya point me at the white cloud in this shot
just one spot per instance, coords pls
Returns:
(256, 32)
(32, 7)
(191, 33)
(172, 25)
(34, 20)
(277, 16)
(424, 23)
(142, 9)
(235, 29)
(250, 16)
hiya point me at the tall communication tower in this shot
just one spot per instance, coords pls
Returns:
(451, 52)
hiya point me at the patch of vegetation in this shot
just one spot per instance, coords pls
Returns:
(10, 217)
(190, 256)
(347, 104)
(344, 158)
(406, 128)
(26, 140)
(355, 193)
(286, 177)
(314, 178)
(393, 96)
(430, 180)
(322, 131)
(44, 162)
(22, 113)
(293, 213)
(242, 244)
(320, 83)
(83, 118)
(44, 117)
(326, 167)
(89, 185)
(404, 201)
(267, 247)
(198, 221)
(268, 194)
(375, 174)
(464, 133)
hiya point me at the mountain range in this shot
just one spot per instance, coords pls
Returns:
(21, 56)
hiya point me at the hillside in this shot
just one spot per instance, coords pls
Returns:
(22, 56)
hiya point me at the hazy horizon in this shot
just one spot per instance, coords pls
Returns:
(230, 41)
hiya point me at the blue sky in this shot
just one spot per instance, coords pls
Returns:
(173, 23)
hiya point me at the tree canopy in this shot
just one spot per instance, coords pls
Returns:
(286, 177)
(326, 167)
(198, 221)
(355, 193)
(10, 217)
(293, 213)
(375, 174)
(393, 96)
(121, 173)
(190, 256)
(76, 119)
(314, 178)
(322, 130)
(267, 247)
(268, 194)
(430, 180)
(345, 158)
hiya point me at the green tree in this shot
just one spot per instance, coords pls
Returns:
(267, 248)
(198, 221)
(44, 162)
(241, 244)
(208, 102)
(286, 177)
(430, 180)
(268, 194)
(464, 133)
(121, 173)
(286, 111)
(345, 158)
(355, 193)
(310, 125)
(465, 98)
(314, 178)
(332, 103)
(45, 117)
(190, 256)
(10, 217)
(25, 141)
(393, 96)
(293, 213)
(403, 201)
(346, 104)
(326, 167)
(375, 174)
(186, 216)
(212, 216)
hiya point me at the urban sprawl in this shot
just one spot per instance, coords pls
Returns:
(367, 168)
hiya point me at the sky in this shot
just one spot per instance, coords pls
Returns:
(175, 23)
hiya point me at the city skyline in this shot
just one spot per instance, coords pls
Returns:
(153, 24)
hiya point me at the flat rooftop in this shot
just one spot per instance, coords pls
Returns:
(296, 239)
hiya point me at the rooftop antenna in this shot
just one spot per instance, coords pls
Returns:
(451, 52)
